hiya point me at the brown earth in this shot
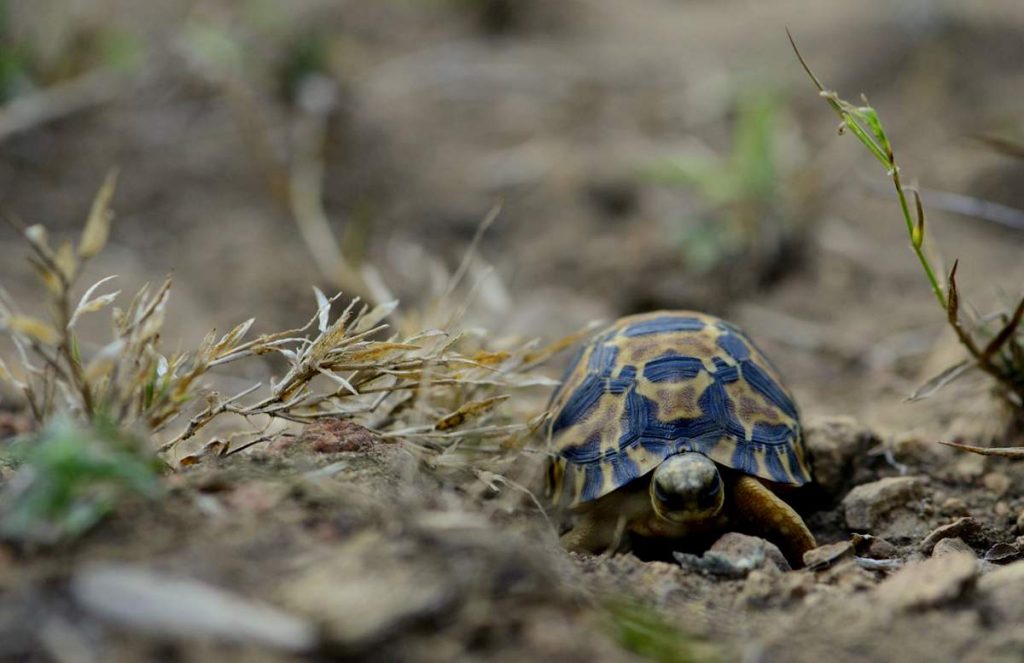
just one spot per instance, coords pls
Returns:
(367, 551)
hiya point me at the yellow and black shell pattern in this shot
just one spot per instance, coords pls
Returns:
(657, 384)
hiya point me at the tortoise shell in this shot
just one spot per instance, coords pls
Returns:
(653, 385)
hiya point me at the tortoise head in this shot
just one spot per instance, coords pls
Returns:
(687, 488)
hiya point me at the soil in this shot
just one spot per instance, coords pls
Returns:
(342, 545)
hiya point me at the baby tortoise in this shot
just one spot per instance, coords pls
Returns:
(673, 424)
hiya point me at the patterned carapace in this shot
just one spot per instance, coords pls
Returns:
(661, 383)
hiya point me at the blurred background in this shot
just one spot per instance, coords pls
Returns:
(650, 154)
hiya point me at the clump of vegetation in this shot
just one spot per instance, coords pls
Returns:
(746, 195)
(644, 632)
(430, 385)
(69, 477)
(416, 376)
(995, 342)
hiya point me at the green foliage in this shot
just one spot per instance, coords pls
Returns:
(644, 632)
(214, 45)
(741, 191)
(13, 63)
(52, 53)
(69, 478)
(306, 57)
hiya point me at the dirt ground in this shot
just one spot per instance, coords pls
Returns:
(560, 110)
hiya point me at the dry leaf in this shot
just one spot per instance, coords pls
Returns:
(66, 262)
(34, 328)
(97, 227)
(323, 309)
(470, 410)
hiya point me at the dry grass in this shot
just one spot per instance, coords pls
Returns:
(109, 419)
(415, 375)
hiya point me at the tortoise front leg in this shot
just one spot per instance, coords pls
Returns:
(759, 511)
(606, 523)
(594, 533)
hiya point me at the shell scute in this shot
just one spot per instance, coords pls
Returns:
(656, 384)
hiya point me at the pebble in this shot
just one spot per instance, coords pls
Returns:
(1003, 553)
(954, 506)
(931, 583)
(1001, 590)
(965, 527)
(884, 507)
(1001, 508)
(362, 594)
(146, 601)
(997, 482)
(1020, 522)
(835, 444)
(952, 545)
(825, 556)
(738, 546)
(968, 468)
(879, 548)
(910, 447)
(736, 555)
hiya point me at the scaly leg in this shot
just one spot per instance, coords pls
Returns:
(760, 511)
(594, 533)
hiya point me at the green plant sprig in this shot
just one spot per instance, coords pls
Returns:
(864, 123)
(999, 353)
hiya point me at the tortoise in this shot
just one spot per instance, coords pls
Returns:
(672, 425)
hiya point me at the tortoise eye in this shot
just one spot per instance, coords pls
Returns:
(707, 497)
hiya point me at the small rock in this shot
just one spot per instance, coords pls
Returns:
(968, 468)
(362, 594)
(912, 448)
(997, 482)
(735, 555)
(1001, 590)
(141, 600)
(951, 545)
(739, 546)
(873, 547)
(825, 556)
(954, 506)
(879, 548)
(1020, 522)
(1003, 553)
(834, 444)
(962, 527)
(1001, 508)
(886, 507)
(932, 583)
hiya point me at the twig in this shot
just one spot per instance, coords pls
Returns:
(1001, 452)
(49, 104)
